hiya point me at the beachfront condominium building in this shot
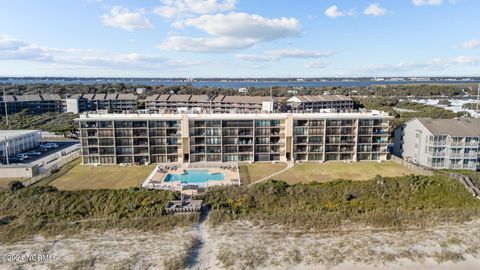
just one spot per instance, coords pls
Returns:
(439, 143)
(163, 138)
(204, 103)
(16, 141)
(33, 104)
(320, 102)
(94, 102)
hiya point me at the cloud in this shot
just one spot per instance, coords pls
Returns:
(126, 19)
(470, 44)
(427, 2)
(187, 8)
(467, 60)
(315, 65)
(334, 12)
(275, 55)
(7, 43)
(435, 64)
(244, 25)
(375, 10)
(231, 32)
(12, 49)
(205, 45)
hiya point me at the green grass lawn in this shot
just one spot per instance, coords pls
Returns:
(252, 172)
(102, 177)
(307, 172)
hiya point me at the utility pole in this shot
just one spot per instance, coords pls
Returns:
(271, 100)
(6, 107)
(6, 150)
(478, 98)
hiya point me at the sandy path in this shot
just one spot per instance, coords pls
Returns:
(202, 254)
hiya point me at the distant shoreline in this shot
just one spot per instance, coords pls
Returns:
(247, 82)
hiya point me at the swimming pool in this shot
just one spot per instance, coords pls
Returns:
(193, 177)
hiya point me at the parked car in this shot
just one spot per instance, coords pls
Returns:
(33, 153)
(49, 145)
(21, 156)
(14, 159)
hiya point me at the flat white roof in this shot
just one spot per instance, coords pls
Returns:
(229, 116)
(15, 133)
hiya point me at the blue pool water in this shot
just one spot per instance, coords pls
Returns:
(193, 177)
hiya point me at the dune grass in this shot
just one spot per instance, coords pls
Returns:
(48, 211)
(102, 177)
(324, 172)
(250, 173)
(380, 202)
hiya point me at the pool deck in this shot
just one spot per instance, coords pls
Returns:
(155, 179)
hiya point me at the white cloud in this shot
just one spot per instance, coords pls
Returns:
(7, 43)
(435, 64)
(231, 31)
(275, 55)
(334, 12)
(12, 49)
(470, 44)
(374, 10)
(186, 8)
(126, 19)
(244, 25)
(315, 65)
(427, 2)
(204, 45)
(467, 60)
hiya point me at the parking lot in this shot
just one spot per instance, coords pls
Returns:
(62, 145)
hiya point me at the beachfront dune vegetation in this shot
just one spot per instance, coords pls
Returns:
(398, 202)
(47, 211)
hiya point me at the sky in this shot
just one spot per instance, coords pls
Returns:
(239, 38)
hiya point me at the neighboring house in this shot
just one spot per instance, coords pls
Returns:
(320, 102)
(439, 143)
(203, 103)
(34, 104)
(16, 141)
(95, 102)
(222, 137)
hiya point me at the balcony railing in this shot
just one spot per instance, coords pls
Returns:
(456, 143)
(438, 143)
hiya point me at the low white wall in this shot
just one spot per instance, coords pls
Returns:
(17, 172)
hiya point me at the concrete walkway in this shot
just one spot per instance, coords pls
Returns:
(289, 166)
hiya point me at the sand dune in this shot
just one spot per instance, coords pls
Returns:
(242, 245)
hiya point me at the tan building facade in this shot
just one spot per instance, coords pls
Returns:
(164, 138)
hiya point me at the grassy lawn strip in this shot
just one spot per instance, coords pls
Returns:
(47, 211)
(250, 173)
(63, 170)
(102, 177)
(308, 172)
(410, 201)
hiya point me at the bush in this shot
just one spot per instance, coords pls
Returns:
(383, 202)
(15, 185)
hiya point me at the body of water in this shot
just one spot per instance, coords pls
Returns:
(230, 84)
